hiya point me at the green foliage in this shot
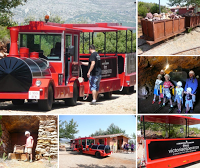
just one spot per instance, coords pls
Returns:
(4, 156)
(5, 11)
(4, 34)
(183, 3)
(68, 129)
(145, 7)
(142, 10)
(112, 129)
(110, 42)
(164, 128)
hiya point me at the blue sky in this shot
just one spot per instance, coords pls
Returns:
(162, 2)
(88, 124)
(196, 125)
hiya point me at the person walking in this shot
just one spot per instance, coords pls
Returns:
(94, 73)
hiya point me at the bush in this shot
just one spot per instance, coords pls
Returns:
(154, 9)
(142, 11)
(4, 34)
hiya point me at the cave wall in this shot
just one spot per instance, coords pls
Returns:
(5, 138)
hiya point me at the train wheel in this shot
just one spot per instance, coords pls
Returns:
(72, 101)
(80, 151)
(46, 104)
(131, 89)
(18, 101)
(126, 90)
(97, 154)
(108, 95)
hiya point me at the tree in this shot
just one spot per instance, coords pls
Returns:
(163, 128)
(5, 11)
(112, 129)
(68, 129)
(195, 3)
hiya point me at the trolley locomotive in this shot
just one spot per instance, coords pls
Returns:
(43, 64)
(86, 146)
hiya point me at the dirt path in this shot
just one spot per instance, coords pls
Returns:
(35, 164)
(74, 159)
(175, 44)
(118, 104)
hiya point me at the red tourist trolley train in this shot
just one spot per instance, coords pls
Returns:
(171, 152)
(46, 67)
(87, 145)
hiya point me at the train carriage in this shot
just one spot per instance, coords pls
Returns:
(46, 65)
(87, 145)
(170, 152)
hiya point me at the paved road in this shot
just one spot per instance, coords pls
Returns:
(116, 160)
(118, 104)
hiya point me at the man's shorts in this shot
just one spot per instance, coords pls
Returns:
(94, 82)
(28, 150)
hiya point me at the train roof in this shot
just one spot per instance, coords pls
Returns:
(38, 26)
(172, 119)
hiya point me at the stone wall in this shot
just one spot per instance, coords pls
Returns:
(5, 138)
(47, 142)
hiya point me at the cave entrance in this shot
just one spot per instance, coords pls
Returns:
(16, 127)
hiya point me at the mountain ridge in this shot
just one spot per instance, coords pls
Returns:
(79, 10)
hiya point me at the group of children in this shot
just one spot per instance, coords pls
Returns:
(166, 86)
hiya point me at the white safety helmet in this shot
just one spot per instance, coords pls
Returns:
(179, 83)
(27, 132)
(167, 76)
(159, 75)
(189, 90)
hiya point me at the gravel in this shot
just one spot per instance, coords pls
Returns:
(117, 160)
(173, 45)
(118, 104)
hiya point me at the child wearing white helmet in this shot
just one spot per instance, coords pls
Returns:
(167, 85)
(179, 95)
(188, 99)
(29, 146)
(157, 89)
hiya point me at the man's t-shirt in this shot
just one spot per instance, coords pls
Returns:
(97, 68)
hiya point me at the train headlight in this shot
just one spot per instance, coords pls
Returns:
(38, 83)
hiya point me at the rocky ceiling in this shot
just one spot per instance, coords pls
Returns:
(20, 123)
(149, 67)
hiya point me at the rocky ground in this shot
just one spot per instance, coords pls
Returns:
(183, 41)
(3, 50)
(35, 164)
(118, 104)
(116, 160)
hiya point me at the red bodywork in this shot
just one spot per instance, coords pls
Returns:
(170, 161)
(61, 90)
(83, 147)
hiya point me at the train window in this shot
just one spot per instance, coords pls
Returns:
(101, 141)
(90, 141)
(101, 147)
(48, 45)
(94, 146)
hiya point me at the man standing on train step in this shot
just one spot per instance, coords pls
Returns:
(94, 73)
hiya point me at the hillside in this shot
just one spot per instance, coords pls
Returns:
(73, 11)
